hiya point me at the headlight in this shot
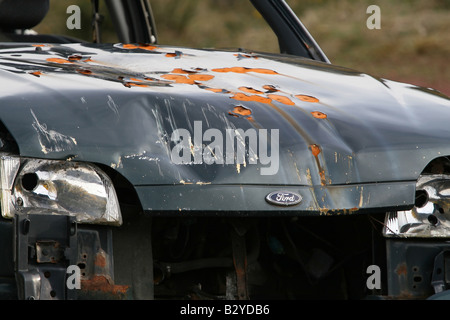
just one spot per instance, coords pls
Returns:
(431, 215)
(58, 187)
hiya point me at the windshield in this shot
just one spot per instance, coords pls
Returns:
(188, 23)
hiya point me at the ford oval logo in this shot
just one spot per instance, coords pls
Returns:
(284, 198)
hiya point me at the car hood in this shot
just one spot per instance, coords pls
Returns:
(165, 116)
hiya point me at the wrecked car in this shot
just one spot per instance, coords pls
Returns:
(140, 170)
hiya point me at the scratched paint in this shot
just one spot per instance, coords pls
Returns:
(52, 141)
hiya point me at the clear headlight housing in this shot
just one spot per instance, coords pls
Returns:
(430, 216)
(57, 187)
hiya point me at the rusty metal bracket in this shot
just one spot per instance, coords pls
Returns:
(238, 232)
(44, 247)
(440, 279)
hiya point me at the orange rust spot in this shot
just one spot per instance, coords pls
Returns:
(402, 269)
(250, 90)
(174, 54)
(100, 260)
(129, 46)
(136, 79)
(244, 97)
(181, 71)
(307, 98)
(102, 284)
(241, 110)
(241, 55)
(233, 69)
(84, 71)
(245, 70)
(36, 73)
(38, 45)
(281, 99)
(217, 90)
(58, 60)
(264, 71)
(201, 77)
(322, 177)
(270, 88)
(75, 57)
(131, 84)
(178, 78)
(315, 149)
(147, 47)
(250, 119)
(319, 115)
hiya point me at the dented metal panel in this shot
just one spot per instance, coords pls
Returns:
(332, 133)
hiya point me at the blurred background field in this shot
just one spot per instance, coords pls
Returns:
(413, 44)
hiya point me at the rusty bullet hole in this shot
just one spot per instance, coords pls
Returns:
(140, 46)
(240, 110)
(245, 70)
(75, 57)
(200, 77)
(281, 99)
(270, 88)
(250, 90)
(36, 73)
(58, 60)
(216, 90)
(176, 54)
(319, 115)
(255, 98)
(183, 71)
(84, 71)
(315, 149)
(241, 56)
(178, 78)
(307, 98)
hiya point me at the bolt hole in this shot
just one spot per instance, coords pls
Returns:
(47, 274)
(441, 210)
(438, 271)
(82, 265)
(432, 219)
(52, 294)
(421, 198)
(30, 181)
(417, 279)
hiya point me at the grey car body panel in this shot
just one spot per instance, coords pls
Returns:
(118, 105)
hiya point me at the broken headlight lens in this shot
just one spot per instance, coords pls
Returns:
(58, 187)
(430, 216)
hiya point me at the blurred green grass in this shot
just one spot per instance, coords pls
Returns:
(413, 44)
